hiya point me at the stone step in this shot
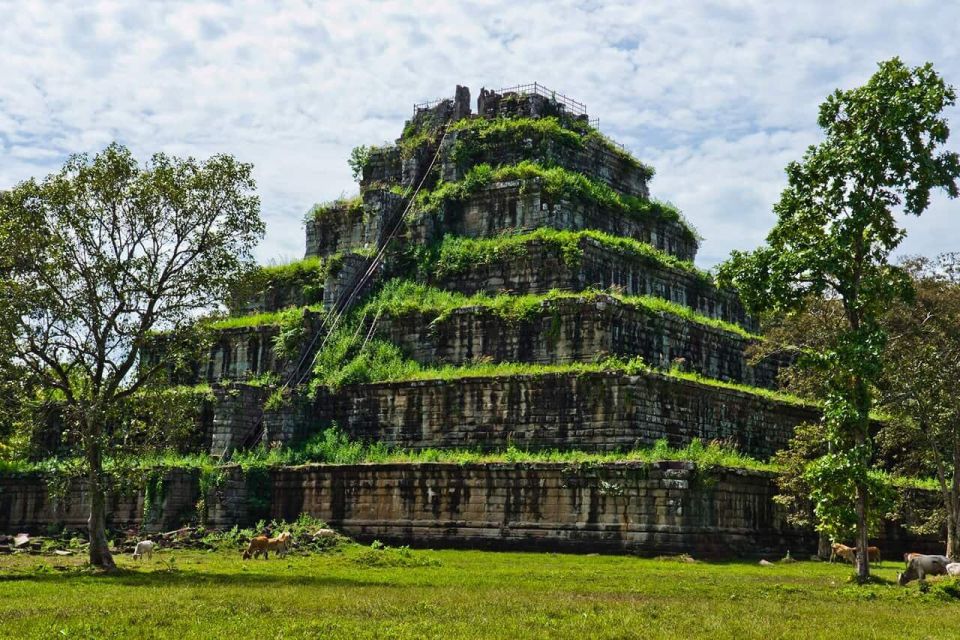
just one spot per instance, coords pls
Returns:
(518, 205)
(645, 508)
(577, 410)
(542, 266)
(578, 329)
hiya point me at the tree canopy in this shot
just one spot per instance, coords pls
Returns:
(836, 229)
(98, 256)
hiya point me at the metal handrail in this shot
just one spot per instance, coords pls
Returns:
(423, 106)
(574, 106)
(535, 88)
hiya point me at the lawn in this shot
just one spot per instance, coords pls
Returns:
(359, 592)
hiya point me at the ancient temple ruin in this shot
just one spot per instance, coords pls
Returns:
(532, 295)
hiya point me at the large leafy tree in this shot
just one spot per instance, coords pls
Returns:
(836, 228)
(919, 386)
(98, 256)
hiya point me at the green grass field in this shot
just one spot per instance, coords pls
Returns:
(359, 592)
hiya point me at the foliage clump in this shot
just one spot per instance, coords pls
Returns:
(836, 229)
(556, 184)
(456, 255)
(324, 211)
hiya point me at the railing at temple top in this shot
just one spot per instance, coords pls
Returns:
(572, 106)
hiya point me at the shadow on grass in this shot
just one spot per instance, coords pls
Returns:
(133, 578)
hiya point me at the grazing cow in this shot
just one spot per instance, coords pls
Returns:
(283, 542)
(850, 553)
(259, 545)
(262, 545)
(953, 569)
(144, 548)
(843, 551)
(922, 566)
(907, 557)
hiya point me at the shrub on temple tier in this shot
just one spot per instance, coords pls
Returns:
(556, 184)
(456, 255)
(478, 137)
(353, 207)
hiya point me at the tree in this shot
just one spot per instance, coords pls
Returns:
(98, 256)
(836, 228)
(919, 386)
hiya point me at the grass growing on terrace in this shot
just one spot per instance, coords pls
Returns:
(301, 280)
(456, 255)
(359, 592)
(400, 297)
(478, 136)
(557, 183)
(332, 446)
(352, 206)
(277, 318)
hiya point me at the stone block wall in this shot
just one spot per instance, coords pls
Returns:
(234, 354)
(521, 205)
(384, 166)
(587, 411)
(241, 353)
(344, 229)
(341, 283)
(632, 507)
(237, 417)
(595, 160)
(577, 330)
(542, 268)
(649, 509)
(26, 506)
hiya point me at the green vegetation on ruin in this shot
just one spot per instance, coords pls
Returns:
(332, 446)
(349, 358)
(457, 255)
(301, 280)
(477, 137)
(557, 184)
(401, 297)
(270, 318)
(353, 206)
(368, 591)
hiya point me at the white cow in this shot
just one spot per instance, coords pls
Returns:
(144, 548)
(953, 569)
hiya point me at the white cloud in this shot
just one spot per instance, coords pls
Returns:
(717, 96)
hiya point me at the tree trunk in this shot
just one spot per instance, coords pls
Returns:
(824, 550)
(99, 547)
(862, 402)
(953, 543)
(863, 558)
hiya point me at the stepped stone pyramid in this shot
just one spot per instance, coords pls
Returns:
(546, 208)
(503, 280)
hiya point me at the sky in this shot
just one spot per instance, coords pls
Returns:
(717, 96)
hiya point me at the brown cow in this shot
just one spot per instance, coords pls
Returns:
(850, 553)
(843, 551)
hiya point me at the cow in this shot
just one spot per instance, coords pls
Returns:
(262, 545)
(907, 557)
(144, 548)
(283, 543)
(953, 569)
(850, 553)
(843, 551)
(920, 567)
